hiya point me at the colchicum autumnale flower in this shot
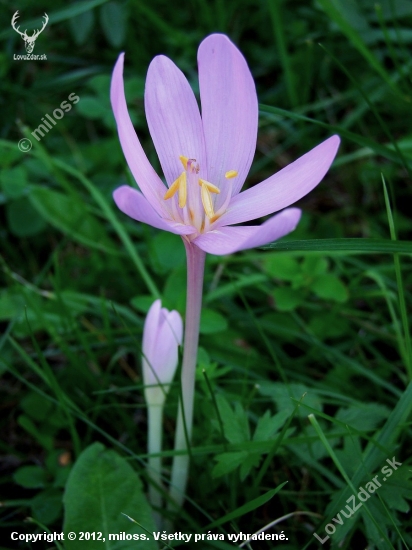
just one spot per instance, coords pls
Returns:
(205, 159)
(162, 335)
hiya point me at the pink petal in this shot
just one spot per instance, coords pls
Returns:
(134, 204)
(169, 338)
(229, 110)
(175, 322)
(143, 172)
(173, 118)
(283, 188)
(162, 334)
(149, 342)
(227, 240)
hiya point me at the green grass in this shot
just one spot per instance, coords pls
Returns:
(303, 387)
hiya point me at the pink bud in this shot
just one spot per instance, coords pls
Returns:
(162, 334)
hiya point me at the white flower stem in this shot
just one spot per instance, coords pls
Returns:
(154, 466)
(180, 469)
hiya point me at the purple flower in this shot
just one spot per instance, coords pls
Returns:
(206, 158)
(162, 335)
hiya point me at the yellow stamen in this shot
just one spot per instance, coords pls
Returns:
(207, 201)
(178, 185)
(184, 160)
(231, 174)
(212, 188)
(172, 189)
(182, 190)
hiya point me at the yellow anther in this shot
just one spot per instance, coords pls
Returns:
(184, 160)
(172, 189)
(178, 185)
(231, 174)
(207, 201)
(182, 190)
(212, 188)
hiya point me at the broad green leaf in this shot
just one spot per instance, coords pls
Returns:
(287, 299)
(329, 287)
(397, 489)
(44, 439)
(30, 477)
(23, 219)
(281, 267)
(251, 461)
(166, 252)
(81, 26)
(11, 304)
(113, 21)
(227, 462)
(375, 525)
(142, 303)
(280, 324)
(208, 368)
(351, 454)
(211, 322)
(47, 506)
(101, 85)
(313, 265)
(14, 182)
(364, 416)
(102, 486)
(329, 325)
(174, 293)
(92, 107)
(35, 406)
(283, 396)
(243, 421)
(235, 422)
(268, 425)
(61, 477)
(134, 87)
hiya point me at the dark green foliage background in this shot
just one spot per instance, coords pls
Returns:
(321, 322)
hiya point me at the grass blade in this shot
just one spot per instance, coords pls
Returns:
(337, 16)
(355, 246)
(248, 507)
(399, 281)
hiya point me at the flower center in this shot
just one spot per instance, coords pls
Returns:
(194, 210)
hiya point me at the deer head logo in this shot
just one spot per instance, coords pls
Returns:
(29, 41)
